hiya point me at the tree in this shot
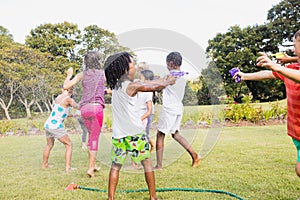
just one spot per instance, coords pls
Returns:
(239, 48)
(98, 39)
(24, 72)
(8, 85)
(59, 39)
(283, 20)
(5, 32)
(203, 93)
(190, 96)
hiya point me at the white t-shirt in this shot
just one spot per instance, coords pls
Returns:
(126, 113)
(143, 98)
(173, 96)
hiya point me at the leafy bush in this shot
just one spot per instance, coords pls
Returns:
(6, 126)
(39, 124)
(246, 111)
(197, 117)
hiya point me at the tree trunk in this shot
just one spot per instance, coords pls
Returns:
(7, 114)
(47, 106)
(28, 112)
(39, 106)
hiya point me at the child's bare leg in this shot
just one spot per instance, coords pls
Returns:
(46, 153)
(297, 168)
(68, 155)
(160, 137)
(92, 163)
(152, 143)
(183, 142)
(150, 178)
(113, 180)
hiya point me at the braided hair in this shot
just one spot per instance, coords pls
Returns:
(115, 67)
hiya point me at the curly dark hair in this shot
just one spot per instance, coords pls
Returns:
(115, 67)
(174, 58)
(93, 60)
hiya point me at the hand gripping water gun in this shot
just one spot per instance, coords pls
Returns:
(233, 71)
(178, 73)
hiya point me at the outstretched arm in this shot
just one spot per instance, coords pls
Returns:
(71, 82)
(264, 61)
(287, 59)
(149, 86)
(256, 76)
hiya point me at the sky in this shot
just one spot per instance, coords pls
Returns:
(197, 20)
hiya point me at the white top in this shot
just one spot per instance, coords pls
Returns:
(126, 114)
(57, 116)
(144, 97)
(173, 96)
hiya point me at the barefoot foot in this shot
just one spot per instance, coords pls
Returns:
(97, 169)
(90, 173)
(196, 161)
(47, 166)
(156, 168)
(70, 169)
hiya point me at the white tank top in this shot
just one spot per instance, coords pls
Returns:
(126, 113)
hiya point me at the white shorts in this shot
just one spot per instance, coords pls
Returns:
(169, 122)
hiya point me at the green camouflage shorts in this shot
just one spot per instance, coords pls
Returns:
(136, 146)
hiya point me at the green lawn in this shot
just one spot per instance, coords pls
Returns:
(251, 162)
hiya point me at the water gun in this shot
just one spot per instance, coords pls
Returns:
(178, 73)
(233, 71)
(277, 55)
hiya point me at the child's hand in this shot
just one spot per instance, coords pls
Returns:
(265, 61)
(172, 79)
(239, 76)
(70, 71)
(284, 59)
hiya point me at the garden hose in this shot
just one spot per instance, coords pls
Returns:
(74, 186)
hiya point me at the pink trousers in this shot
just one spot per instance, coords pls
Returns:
(92, 117)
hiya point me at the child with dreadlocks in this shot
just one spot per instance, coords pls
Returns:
(128, 134)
